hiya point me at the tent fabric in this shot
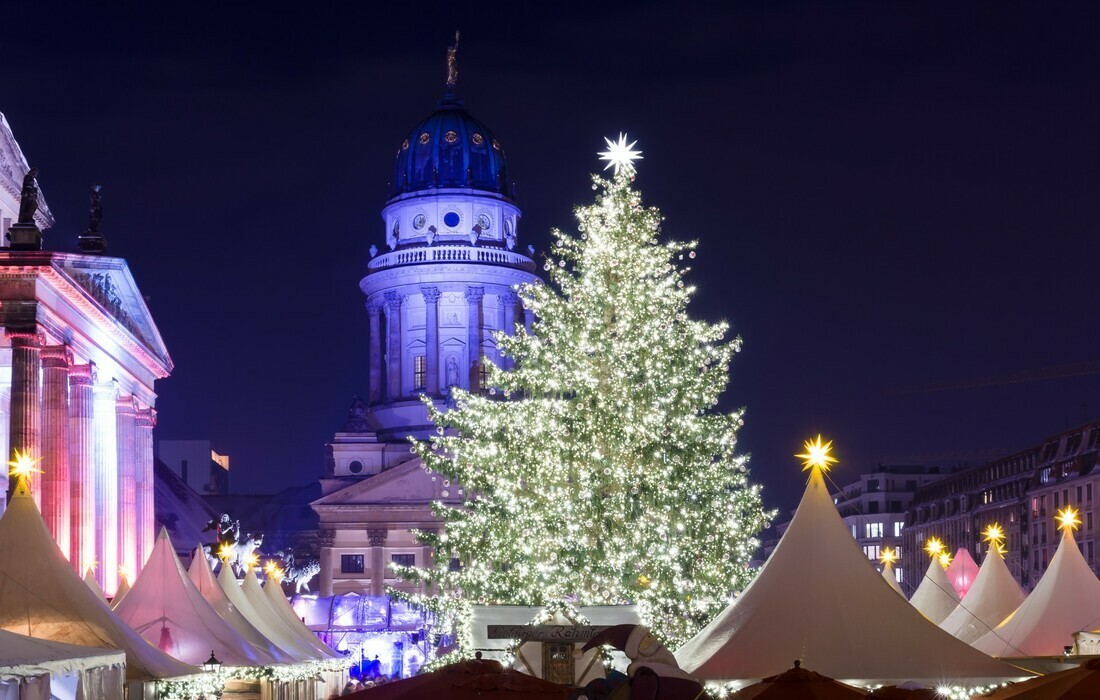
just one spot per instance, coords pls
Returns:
(819, 599)
(250, 586)
(888, 574)
(123, 589)
(32, 668)
(166, 608)
(93, 585)
(259, 619)
(935, 597)
(274, 593)
(203, 579)
(1066, 600)
(992, 598)
(962, 571)
(41, 596)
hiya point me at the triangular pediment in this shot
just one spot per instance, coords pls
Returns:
(13, 167)
(107, 282)
(406, 484)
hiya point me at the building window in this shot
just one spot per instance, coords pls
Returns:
(355, 467)
(897, 528)
(873, 529)
(872, 484)
(403, 559)
(1088, 520)
(1088, 492)
(872, 551)
(898, 574)
(420, 372)
(1078, 494)
(483, 372)
(1088, 545)
(351, 563)
(1055, 500)
(872, 507)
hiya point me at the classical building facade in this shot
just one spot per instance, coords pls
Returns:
(437, 294)
(1021, 492)
(78, 360)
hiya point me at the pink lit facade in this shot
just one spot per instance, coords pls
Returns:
(79, 355)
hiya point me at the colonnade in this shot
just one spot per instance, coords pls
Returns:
(95, 491)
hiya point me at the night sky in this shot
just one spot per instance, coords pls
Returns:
(887, 196)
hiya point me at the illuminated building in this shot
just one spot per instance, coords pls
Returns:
(78, 360)
(1021, 491)
(435, 296)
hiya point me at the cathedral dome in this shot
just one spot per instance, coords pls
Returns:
(450, 149)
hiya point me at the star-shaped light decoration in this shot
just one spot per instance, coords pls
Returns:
(252, 561)
(620, 153)
(889, 555)
(995, 536)
(945, 559)
(274, 571)
(934, 546)
(1067, 519)
(23, 465)
(226, 552)
(817, 455)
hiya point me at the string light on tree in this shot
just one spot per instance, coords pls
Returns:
(608, 477)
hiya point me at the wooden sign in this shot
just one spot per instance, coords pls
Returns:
(546, 633)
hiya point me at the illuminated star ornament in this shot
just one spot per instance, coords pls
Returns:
(620, 154)
(1067, 519)
(995, 536)
(945, 559)
(933, 546)
(21, 467)
(888, 556)
(226, 552)
(817, 455)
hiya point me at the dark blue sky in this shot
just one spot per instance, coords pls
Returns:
(886, 195)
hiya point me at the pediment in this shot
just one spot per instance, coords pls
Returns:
(405, 484)
(108, 283)
(13, 167)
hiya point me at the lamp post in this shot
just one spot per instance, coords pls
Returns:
(212, 665)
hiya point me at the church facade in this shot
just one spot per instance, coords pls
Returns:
(437, 293)
(79, 356)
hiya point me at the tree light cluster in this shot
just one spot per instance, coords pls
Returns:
(597, 470)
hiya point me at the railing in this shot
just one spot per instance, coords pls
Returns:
(451, 253)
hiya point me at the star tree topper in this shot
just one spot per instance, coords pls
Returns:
(817, 455)
(620, 153)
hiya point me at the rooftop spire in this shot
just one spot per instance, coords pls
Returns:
(452, 66)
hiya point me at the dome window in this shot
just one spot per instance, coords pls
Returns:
(496, 145)
(450, 137)
(418, 221)
(405, 145)
(355, 467)
(452, 219)
(478, 139)
(425, 138)
(484, 222)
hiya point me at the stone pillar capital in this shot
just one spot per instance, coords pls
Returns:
(326, 537)
(510, 297)
(106, 389)
(431, 294)
(126, 404)
(377, 536)
(146, 418)
(394, 300)
(374, 306)
(24, 338)
(474, 294)
(57, 356)
(84, 375)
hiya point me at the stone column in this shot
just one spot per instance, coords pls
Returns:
(431, 339)
(377, 537)
(106, 485)
(393, 345)
(510, 299)
(125, 414)
(374, 309)
(56, 508)
(528, 318)
(473, 339)
(26, 406)
(144, 482)
(326, 539)
(82, 490)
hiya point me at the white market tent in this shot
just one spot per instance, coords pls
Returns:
(35, 668)
(992, 598)
(261, 620)
(935, 597)
(123, 589)
(962, 571)
(165, 608)
(41, 596)
(888, 574)
(1066, 600)
(281, 606)
(250, 586)
(203, 578)
(819, 599)
(89, 579)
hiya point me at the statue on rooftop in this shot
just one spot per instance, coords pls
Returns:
(95, 210)
(452, 64)
(28, 198)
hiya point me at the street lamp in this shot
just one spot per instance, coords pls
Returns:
(211, 665)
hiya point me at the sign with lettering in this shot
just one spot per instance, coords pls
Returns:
(546, 633)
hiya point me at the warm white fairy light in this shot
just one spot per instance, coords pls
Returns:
(620, 154)
(608, 478)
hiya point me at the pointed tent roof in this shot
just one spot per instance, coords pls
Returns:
(992, 598)
(1066, 600)
(41, 596)
(250, 586)
(164, 603)
(257, 618)
(888, 574)
(203, 578)
(274, 593)
(935, 597)
(93, 586)
(818, 598)
(123, 589)
(962, 572)
(27, 656)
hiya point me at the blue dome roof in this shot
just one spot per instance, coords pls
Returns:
(450, 149)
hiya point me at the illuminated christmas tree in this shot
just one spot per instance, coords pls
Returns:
(597, 470)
